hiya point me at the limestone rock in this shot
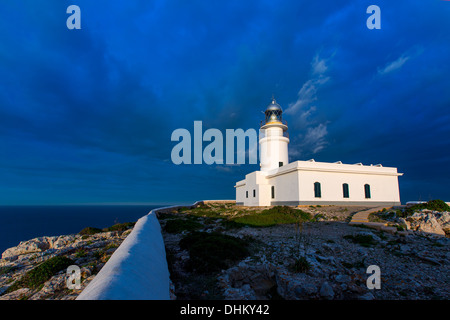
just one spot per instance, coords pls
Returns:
(17, 295)
(425, 222)
(326, 291)
(29, 246)
(367, 296)
(305, 290)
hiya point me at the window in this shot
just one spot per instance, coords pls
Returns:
(246, 194)
(345, 190)
(280, 164)
(367, 191)
(317, 192)
(273, 192)
(254, 193)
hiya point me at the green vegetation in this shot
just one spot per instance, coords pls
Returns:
(301, 265)
(117, 227)
(435, 205)
(80, 253)
(34, 278)
(319, 217)
(204, 211)
(90, 231)
(179, 225)
(274, 216)
(6, 270)
(120, 227)
(211, 252)
(362, 239)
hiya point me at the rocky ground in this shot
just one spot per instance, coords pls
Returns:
(89, 252)
(333, 255)
(413, 266)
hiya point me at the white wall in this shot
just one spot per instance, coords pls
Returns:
(382, 188)
(286, 187)
(294, 184)
(273, 149)
(138, 268)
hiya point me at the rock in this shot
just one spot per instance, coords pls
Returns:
(426, 222)
(367, 233)
(305, 290)
(17, 295)
(62, 241)
(56, 283)
(367, 296)
(404, 248)
(327, 246)
(444, 221)
(356, 289)
(86, 271)
(425, 257)
(342, 278)
(326, 291)
(24, 247)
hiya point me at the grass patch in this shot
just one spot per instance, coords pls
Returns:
(36, 277)
(203, 211)
(273, 216)
(180, 225)
(211, 252)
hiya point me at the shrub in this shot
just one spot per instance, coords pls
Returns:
(435, 205)
(301, 265)
(120, 227)
(80, 253)
(364, 240)
(179, 225)
(40, 274)
(89, 231)
(274, 216)
(6, 270)
(211, 252)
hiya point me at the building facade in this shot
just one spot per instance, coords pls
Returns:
(309, 182)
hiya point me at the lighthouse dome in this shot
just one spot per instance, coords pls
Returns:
(273, 112)
(273, 106)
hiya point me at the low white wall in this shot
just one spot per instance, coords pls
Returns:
(137, 270)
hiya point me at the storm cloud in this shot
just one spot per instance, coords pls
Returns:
(86, 115)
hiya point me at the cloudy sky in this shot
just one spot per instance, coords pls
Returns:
(86, 116)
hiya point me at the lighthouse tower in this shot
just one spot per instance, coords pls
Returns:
(273, 141)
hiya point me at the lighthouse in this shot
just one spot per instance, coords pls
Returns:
(310, 182)
(274, 140)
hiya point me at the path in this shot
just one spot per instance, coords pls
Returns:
(362, 217)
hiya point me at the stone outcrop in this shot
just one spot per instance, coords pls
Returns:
(429, 222)
(89, 252)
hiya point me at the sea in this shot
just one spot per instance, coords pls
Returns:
(21, 223)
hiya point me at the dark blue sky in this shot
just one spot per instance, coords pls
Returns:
(86, 116)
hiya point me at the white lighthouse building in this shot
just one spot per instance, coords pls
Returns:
(309, 182)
